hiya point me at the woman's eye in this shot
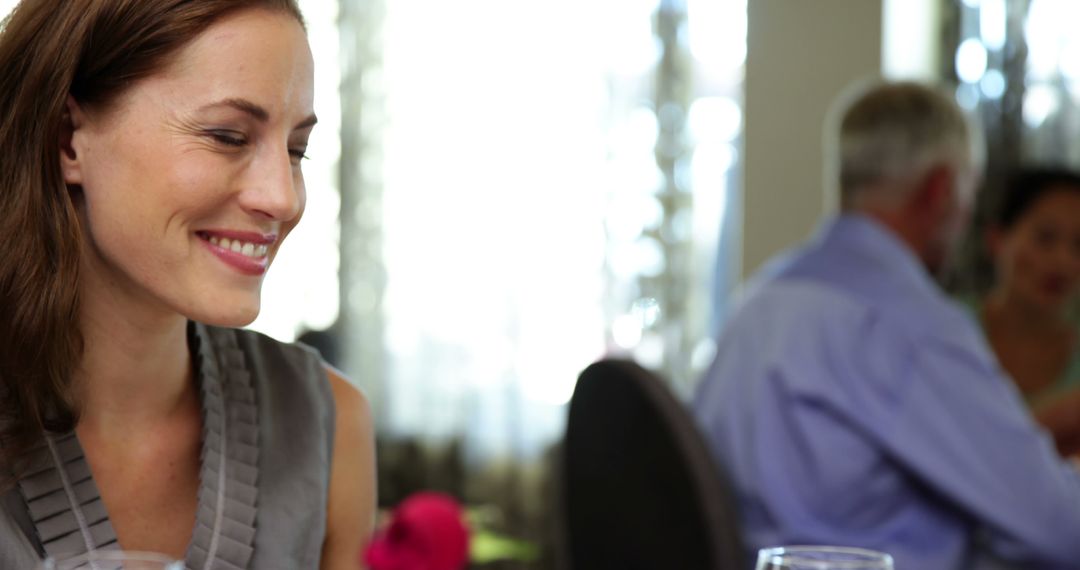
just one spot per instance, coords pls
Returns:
(298, 154)
(228, 138)
(1046, 237)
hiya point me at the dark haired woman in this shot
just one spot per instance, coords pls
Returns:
(150, 167)
(1035, 243)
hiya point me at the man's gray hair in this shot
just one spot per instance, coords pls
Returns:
(887, 135)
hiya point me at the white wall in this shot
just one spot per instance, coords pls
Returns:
(801, 54)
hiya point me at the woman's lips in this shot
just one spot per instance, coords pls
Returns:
(1055, 285)
(246, 252)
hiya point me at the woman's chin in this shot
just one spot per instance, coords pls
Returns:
(235, 316)
(1050, 303)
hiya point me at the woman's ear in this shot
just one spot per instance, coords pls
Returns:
(73, 120)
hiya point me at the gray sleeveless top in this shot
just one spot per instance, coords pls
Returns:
(268, 430)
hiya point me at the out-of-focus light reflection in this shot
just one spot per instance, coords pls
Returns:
(362, 298)
(971, 60)
(626, 331)
(967, 96)
(635, 173)
(638, 130)
(647, 310)
(717, 32)
(650, 351)
(548, 380)
(993, 19)
(630, 216)
(1068, 60)
(714, 119)
(1049, 32)
(642, 257)
(632, 169)
(992, 84)
(649, 257)
(630, 46)
(1040, 101)
(712, 161)
(1042, 42)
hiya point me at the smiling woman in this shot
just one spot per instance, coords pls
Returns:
(151, 153)
(178, 159)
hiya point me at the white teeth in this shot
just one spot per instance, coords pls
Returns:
(243, 248)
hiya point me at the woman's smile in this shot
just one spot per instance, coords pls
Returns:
(246, 252)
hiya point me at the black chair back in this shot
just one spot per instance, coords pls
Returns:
(639, 487)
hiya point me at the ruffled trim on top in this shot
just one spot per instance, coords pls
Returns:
(63, 501)
(65, 504)
(224, 534)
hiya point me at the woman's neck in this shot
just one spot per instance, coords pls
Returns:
(135, 369)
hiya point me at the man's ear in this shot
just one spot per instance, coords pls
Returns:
(935, 197)
(73, 119)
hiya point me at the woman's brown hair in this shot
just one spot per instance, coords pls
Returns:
(91, 50)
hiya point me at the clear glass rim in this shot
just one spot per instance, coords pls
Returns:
(861, 558)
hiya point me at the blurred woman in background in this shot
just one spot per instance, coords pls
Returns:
(1028, 315)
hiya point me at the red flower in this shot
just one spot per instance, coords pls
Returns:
(426, 532)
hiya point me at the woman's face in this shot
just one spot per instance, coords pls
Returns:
(1039, 257)
(191, 179)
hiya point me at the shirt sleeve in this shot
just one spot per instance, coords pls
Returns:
(961, 429)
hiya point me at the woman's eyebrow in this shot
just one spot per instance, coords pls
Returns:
(308, 122)
(256, 111)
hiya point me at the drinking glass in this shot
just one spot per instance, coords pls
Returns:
(113, 560)
(822, 558)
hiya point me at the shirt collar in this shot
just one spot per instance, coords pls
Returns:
(866, 237)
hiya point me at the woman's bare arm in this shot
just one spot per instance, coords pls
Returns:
(351, 509)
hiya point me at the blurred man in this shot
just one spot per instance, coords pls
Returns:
(853, 404)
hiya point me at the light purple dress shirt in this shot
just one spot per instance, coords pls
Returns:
(852, 403)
